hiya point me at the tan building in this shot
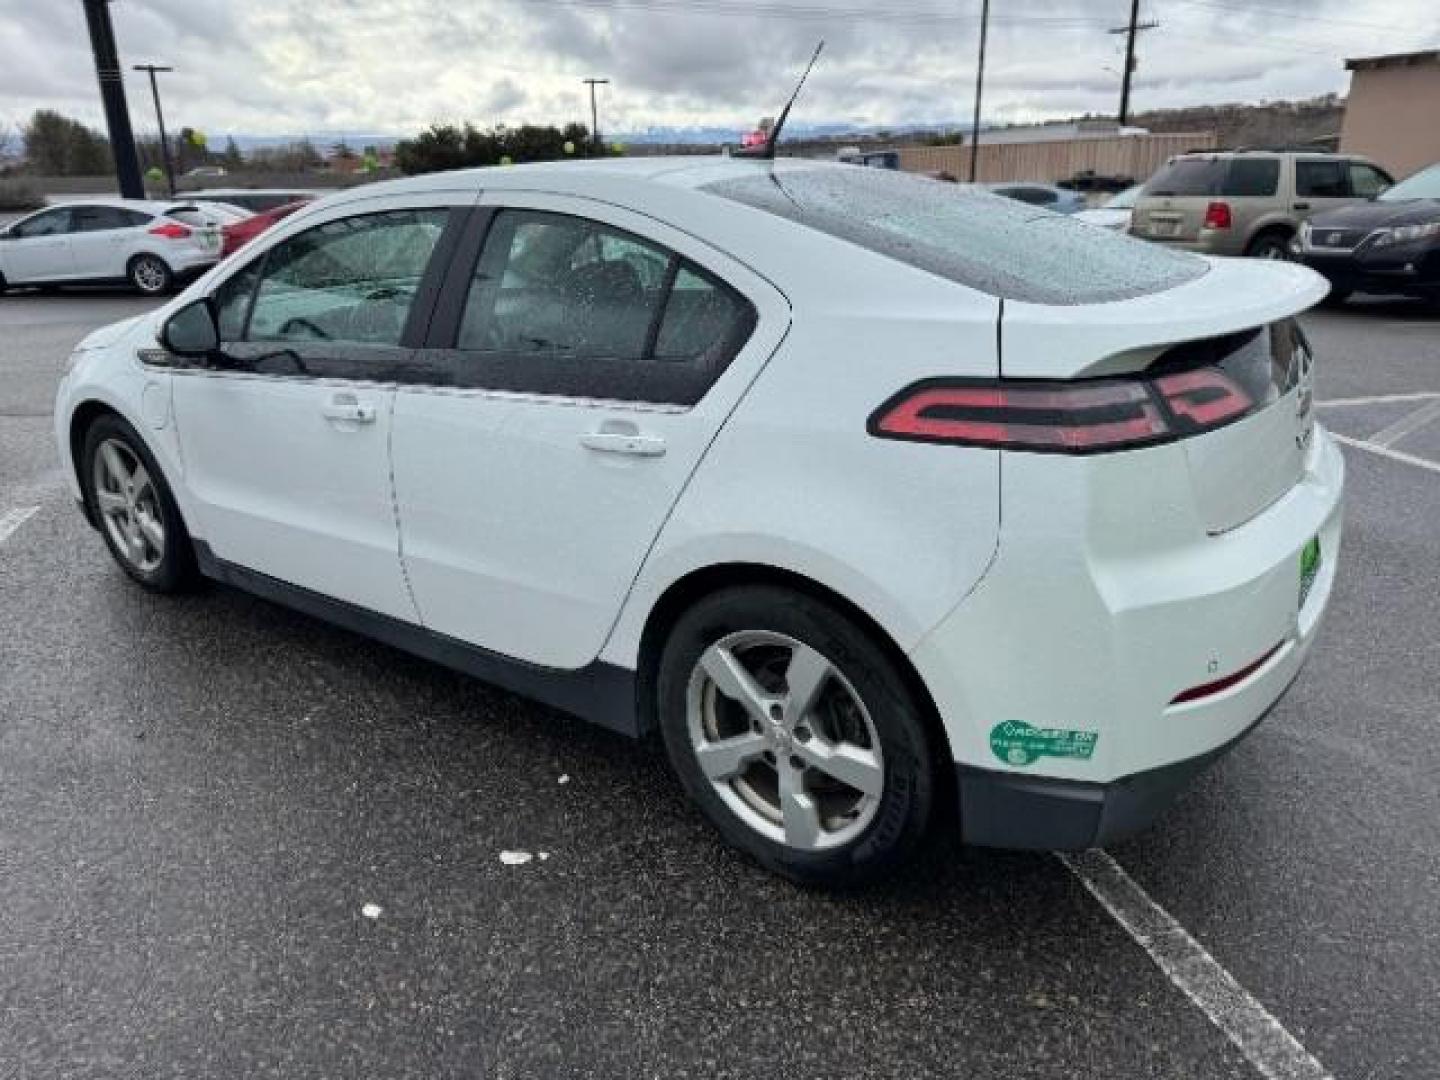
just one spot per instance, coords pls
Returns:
(1393, 115)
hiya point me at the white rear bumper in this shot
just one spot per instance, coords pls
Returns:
(1097, 633)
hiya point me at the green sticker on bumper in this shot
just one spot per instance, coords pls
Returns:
(1018, 743)
(1309, 567)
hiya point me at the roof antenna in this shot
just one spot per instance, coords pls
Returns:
(766, 151)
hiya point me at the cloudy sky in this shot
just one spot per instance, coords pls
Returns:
(287, 67)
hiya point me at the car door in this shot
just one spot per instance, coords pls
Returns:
(581, 363)
(286, 439)
(101, 239)
(39, 248)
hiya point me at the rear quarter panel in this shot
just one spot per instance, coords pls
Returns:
(794, 481)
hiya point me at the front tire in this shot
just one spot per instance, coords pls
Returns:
(137, 514)
(150, 275)
(797, 735)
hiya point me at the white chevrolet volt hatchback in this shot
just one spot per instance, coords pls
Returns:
(881, 500)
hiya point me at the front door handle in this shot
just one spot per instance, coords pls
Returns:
(1302, 206)
(623, 437)
(348, 409)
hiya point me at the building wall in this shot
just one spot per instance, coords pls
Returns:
(1129, 155)
(1393, 116)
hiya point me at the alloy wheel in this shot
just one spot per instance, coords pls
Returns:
(149, 275)
(785, 740)
(129, 506)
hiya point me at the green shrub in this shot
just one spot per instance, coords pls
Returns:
(20, 195)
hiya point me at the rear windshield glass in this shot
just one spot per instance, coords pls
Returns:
(993, 244)
(1188, 176)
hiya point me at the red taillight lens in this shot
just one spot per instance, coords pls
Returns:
(171, 230)
(1217, 216)
(1219, 686)
(1079, 417)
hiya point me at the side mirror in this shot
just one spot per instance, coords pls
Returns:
(191, 332)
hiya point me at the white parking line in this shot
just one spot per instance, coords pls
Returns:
(13, 519)
(1382, 399)
(1413, 421)
(1258, 1035)
(1385, 451)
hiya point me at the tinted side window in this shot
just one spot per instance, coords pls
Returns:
(1321, 179)
(1252, 176)
(351, 280)
(50, 223)
(555, 286)
(1366, 182)
(569, 307)
(232, 302)
(702, 320)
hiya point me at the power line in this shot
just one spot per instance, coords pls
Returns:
(1292, 16)
(816, 11)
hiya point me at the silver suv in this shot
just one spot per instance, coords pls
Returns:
(1248, 202)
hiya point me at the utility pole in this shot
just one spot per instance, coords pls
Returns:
(1130, 31)
(594, 112)
(979, 87)
(160, 119)
(112, 96)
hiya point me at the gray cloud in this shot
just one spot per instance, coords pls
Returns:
(291, 66)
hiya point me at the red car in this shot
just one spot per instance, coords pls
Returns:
(236, 236)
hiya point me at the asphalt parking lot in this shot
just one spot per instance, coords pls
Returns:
(199, 797)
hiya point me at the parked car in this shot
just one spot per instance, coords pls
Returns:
(1248, 202)
(253, 199)
(616, 435)
(150, 244)
(205, 172)
(1061, 200)
(1115, 213)
(240, 233)
(1388, 245)
(222, 213)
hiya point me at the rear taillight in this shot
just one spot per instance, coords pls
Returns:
(1073, 417)
(1217, 216)
(170, 230)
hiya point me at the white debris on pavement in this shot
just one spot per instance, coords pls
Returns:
(371, 911)
(565, 779)
(515, 858)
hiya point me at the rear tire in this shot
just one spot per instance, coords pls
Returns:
(797, 736)
(1270, 245)
(150, 275)
(130, 499)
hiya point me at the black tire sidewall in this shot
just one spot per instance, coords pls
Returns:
(176, 570)
(135, 284)
(1269, 240)
(907, 803)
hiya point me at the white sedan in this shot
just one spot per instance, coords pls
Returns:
(880, 499)
(149, 244)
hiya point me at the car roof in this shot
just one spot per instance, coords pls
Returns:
(151, 206)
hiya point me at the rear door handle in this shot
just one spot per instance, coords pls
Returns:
(348, 409)
(617, 440)
(1302, 206)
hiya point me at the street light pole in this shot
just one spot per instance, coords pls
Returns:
(112, 96)
(160, 119)
(594, 110)
(979, 86)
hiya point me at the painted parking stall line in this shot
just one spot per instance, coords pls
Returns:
(1263, 1040)
(1387, 452)
(13, 519)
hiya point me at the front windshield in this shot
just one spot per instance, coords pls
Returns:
(1126, 199)
(1423, 185)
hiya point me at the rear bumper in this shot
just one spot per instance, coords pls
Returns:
(1041, 813)
(1115, 648)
